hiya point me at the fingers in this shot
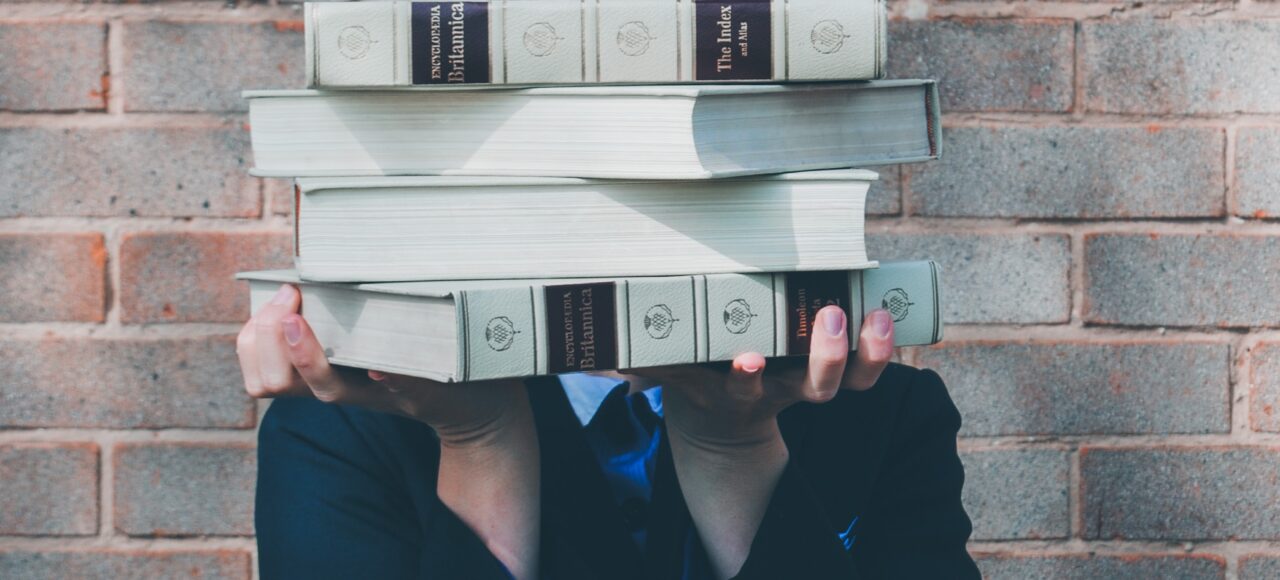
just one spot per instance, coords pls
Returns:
(307, 356)
(275, 372)
(828, 353)
(744, 381)
(875, 348)
(247, 352)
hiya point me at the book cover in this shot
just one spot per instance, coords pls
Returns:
(528, 42)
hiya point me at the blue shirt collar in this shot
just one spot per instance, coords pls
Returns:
(586, 391)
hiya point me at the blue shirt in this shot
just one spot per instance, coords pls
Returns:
(621, 430)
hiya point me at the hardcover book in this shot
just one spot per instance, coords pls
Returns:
(476, 330)
(623, 132)
(379, 229)
(514, 42)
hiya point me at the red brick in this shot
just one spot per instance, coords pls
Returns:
(1264, 388)
(1259, 567)
(50, 66)
(280, 192)
(1073, 172)
(184, 489)
(988, 65)
(1075, 388)
(1017, 494)
(189, 277)
(1098, 567)
(1181, 67)
(1257, 173)
(885, 196)
(126, 383)
(134, 565)
(162, 171)
(203, 66)
(1180, 494)
(1220, 280)
(52, 277)
(48, 489)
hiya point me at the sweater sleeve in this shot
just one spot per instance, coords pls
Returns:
(345, 493)
(889, 508)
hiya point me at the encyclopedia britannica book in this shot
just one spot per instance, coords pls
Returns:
(488, 329)
(657, 132)
(523, 42)
(382, 229)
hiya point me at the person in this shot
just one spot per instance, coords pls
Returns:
(817, 468)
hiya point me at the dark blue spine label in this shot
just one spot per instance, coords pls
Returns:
(733, 40)
(450, 43)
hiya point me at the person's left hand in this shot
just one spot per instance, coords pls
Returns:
(718, 408)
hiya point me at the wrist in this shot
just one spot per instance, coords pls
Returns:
(501, 422)
(745, 444)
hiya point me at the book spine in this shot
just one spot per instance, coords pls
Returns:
(643, 322)
(520, 42)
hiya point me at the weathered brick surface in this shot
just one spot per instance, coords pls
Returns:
(50, 171)
(136, 565)
(52, 277)
(990, 278)
(1073, 172)
(214, 63)
(53, 66)
(184, 489)
(994, 65)
(1066, 388)
(1122, 567)
(1257, 172)
(1182, 280)
(280, 191)
(1264, 387)
(1189, 67)
(1180, 493)
(1017, 494)
(189, 277)
(1259, 567)
(122, 383)
(885, 197)
(48, 489)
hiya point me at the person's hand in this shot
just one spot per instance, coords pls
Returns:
(280, 356)
(722, 407)
(723, 430)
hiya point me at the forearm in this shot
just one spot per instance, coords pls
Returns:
(492, 483)
(727, 489)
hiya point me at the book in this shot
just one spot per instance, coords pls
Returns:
(623, 132)
(513, 42)
(477, 330)
(381, 229)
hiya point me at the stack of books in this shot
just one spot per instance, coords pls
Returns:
(524, 187)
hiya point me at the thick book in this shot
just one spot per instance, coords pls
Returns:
(523, 42)
(626, 132)
(476, 330)
(384, 229)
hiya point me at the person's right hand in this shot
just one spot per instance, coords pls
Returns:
(280, 356)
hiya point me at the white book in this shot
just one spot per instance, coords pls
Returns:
(522, 42)
(624, 132)
(488, 329)
(383, 229)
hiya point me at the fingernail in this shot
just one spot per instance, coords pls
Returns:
(377, 376)
(881, 323)
(750, 369)
(833, 322)
(292, 330)
(282, 295)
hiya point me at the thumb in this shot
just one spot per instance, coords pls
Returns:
(745, 378)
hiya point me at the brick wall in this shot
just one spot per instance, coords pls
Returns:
(1104, 215)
